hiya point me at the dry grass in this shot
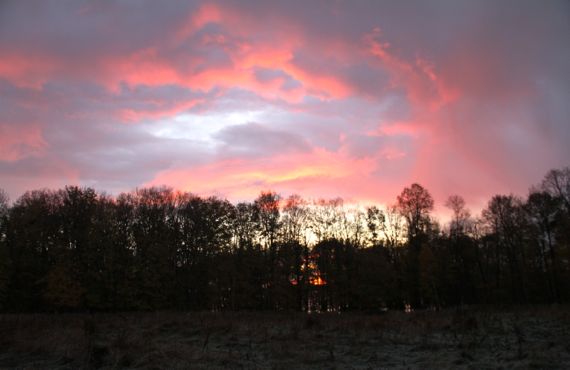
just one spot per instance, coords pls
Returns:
(482, 338)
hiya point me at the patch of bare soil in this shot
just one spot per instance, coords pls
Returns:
(474, 338)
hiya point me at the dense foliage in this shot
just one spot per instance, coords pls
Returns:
(76, 249)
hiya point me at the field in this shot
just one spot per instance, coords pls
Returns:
(473, 338)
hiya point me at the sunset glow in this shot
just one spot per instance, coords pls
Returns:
(355, 99)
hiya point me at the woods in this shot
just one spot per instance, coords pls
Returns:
(75, 249)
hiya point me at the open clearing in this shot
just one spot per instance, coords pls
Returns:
(473, 338)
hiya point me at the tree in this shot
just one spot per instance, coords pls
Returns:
(325, 217)
(393, 227)
(336, 264)
(294, 220)
(34, 243)
(460, 256)
(4, 261)
(557, 184)
(246, 226)
(375, 221)
(461, 215)
(415, 203)
(505, 217)
(154, 232)
(267, 204)
(353, 226)
(375, 280)
(76, 249)
(82, 262)
(3, 203)
(293, 254)
(543, 210)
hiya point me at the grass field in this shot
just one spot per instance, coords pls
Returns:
(474, 338)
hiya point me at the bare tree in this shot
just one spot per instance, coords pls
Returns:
(461, 215)
(3, 213)
(375, 220)
(557, 184)
(393, 226)
(506, 219)
(245, 226)
(353, 225)
(324, 218)
(543, 210)
(415, 204)
(294, 219)
(268, 207)
(3, 201)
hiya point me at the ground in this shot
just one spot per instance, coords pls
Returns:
(470, 338)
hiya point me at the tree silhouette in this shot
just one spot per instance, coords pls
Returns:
(461, 215)
(505, 218)
(4, 256)
(75, 249)
(415, 203)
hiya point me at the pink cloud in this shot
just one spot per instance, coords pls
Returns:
(19, 141)
(27, 71)
(160, 110)
(243, 179)
(418, 77)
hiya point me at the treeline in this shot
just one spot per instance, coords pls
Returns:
(76, 249)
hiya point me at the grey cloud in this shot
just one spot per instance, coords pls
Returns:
(257, 139)
(268, 75)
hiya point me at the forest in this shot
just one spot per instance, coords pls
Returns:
(79, 250)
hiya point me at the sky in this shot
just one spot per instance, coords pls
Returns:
(355, 99)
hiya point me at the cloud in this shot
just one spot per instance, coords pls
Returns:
(17, 142)
(259, 140)
(356, 99)
(245, 178)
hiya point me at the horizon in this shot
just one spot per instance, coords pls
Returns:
(441, 213)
